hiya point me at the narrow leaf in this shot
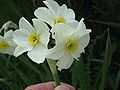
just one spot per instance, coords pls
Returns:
(117, 81)
(106, 63)
(84, 84)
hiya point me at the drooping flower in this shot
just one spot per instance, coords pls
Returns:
(7, 46)
(70, 44)
(32, 39)
(55, 14)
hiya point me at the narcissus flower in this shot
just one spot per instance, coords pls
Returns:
(55, 14)
(32, 39)
(70, 43)
(7, 46)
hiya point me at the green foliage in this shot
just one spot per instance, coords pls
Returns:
(106, 64)
(97, 69)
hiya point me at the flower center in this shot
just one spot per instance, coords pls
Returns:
(59, 20)
(34, 39)
(71, 45)
(4, 45)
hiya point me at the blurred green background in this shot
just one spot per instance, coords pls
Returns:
(98, 67)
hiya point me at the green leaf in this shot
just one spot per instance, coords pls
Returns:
(75, 74)
(83, 79)
(25, 79)
(26, 61)
(117, 81)
(106, 64)
(43, 72)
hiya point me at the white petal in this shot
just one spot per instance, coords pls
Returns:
(37, 54)
(81, 29)
(24, 24)
(69, 15)
(44, 38)
(52, 5)
(61, 9)
(12, 47)
(62, 31)
(83, 42)
(20, 50)
(21, 38)
(55, 53)
(77, 53)
(5, 51)
(74, 24)
(45, 15)
(40, 26)
(8, 50)
(65, 61)
(8, 34)
(11, 50)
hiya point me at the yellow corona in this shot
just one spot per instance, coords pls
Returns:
(71, 45)
(59, 20)
(4, 45)
(34, 39)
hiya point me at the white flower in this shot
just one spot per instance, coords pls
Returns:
(55, 14)
(7, 46)
(70, 44)
(34, 40)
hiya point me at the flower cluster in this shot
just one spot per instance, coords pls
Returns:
(71, 36)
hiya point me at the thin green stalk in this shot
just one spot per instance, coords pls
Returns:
(52, 65)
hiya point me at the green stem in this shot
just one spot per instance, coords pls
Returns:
(52, 65)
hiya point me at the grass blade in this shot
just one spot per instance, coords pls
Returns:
(117, 81)
(82, 77)
(106, 64)
(25, 79)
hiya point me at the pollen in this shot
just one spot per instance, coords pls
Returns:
(71, 45)
(59, 20)
(34, 39)
(4, 45)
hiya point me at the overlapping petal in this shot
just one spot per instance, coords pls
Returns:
(24, 24)
(44, 38)
(8, 35)
(37, 54)
(65, 61)
(52, 5)
(81, 29)
(20, 50)
(62, 32)
(20, 37)
(40, 26)
(55, 53)
(45, 15)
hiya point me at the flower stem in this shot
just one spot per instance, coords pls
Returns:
(52, 65)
